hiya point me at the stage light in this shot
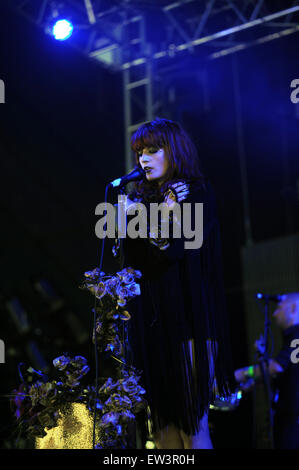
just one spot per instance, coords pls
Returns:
(62, 29)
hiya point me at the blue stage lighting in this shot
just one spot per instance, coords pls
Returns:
(62, 30)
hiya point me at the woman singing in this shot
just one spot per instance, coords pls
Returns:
(178, 331)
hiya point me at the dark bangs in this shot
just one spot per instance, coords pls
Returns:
(148, 135)
(179, 150)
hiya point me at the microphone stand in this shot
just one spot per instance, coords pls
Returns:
(121, 240)
(121, 262)
(125, 332)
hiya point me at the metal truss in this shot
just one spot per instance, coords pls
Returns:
(132, 36)
(123, 33)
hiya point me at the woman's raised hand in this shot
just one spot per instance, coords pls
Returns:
(129, 203)
(177, 192)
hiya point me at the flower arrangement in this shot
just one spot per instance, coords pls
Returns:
(39, 403)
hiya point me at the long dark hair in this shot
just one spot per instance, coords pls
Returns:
(179, 150)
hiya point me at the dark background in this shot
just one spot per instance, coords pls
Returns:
(62, 140)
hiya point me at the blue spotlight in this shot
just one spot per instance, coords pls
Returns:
(62, 30)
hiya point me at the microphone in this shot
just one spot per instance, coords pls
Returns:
(135, 175)
(271, 298)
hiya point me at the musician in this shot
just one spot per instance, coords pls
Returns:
(178, 331)
(284, 372)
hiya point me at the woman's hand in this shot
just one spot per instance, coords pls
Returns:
(181, 191)
(129, 203)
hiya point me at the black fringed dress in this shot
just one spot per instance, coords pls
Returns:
(178, 329)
